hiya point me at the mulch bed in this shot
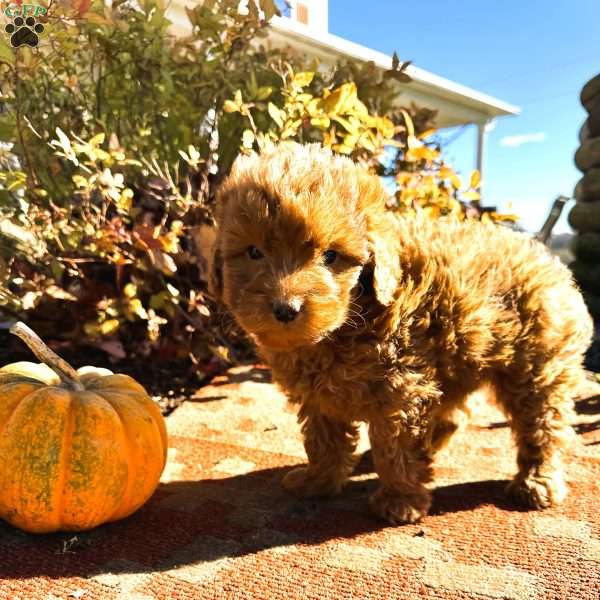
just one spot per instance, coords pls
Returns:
(169, 383)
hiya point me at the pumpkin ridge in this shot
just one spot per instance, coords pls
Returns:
(4, 425)
(64, 461)
(128, 445)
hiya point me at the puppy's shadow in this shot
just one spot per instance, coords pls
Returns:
(587, 409)
(197, 523)
(257, 374)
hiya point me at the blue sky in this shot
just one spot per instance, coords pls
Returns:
(536, 55)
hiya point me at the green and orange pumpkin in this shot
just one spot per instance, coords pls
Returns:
(77, 448)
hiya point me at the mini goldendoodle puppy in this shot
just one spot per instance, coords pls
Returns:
(366, 316)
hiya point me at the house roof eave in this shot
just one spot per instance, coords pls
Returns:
(474, 106)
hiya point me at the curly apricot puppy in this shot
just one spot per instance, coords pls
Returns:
(365, 316)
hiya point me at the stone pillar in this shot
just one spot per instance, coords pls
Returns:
(584, 217)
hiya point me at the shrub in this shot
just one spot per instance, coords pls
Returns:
(118, 133)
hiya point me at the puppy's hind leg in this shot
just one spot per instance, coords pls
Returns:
(403, 464)
(539, 407)
(330, 444)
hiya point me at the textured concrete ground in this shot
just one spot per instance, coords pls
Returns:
(220, 526)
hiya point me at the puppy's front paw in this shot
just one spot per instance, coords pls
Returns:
(537, 491)
(400, 508)
(306, 483)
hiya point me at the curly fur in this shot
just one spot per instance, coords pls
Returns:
(412, 317)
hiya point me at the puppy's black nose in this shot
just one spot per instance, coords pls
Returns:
(285, 312)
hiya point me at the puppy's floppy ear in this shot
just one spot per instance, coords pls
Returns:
(206, 239)
(384, 265)
(383, 268)
(215, 273)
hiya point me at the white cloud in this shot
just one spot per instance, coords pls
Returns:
(525, 138)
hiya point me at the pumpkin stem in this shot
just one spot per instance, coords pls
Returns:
(68, 375)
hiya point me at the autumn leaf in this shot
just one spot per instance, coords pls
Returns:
(248, 138)
(303, 79)
(472, 195)
(410, 128)
(455, 181)
(275, 114)
(229, 106)
(341, 99)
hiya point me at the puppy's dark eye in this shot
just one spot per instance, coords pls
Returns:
(329, 257)
(254, 253)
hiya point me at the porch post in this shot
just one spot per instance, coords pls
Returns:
(481, 137)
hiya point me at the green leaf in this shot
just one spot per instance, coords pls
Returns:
(57, 269)
(264, 92)
(8, 128)
(7, 54)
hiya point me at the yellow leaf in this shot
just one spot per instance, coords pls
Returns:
(136, 308)
(248, 138)
(455, 181)
(471, 195)
(130, 290)
(303, 79)
(329, 138)
(345, 123)
(505, 217)
(290, 129)
(173, 290)
(169, 242)
(445, 172)
(230, 107)
(343, 148)
(125, 200)
(410, 128)
(97, 140)
(275, 114)
(425, 134)
(304, 98)
(421, 153)
(80, 181)
(109, 326)
(320, 122)
(313, 107)
(177, 227)
(475, 179)
(367, 143)
(341, 99)
(432, 211)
